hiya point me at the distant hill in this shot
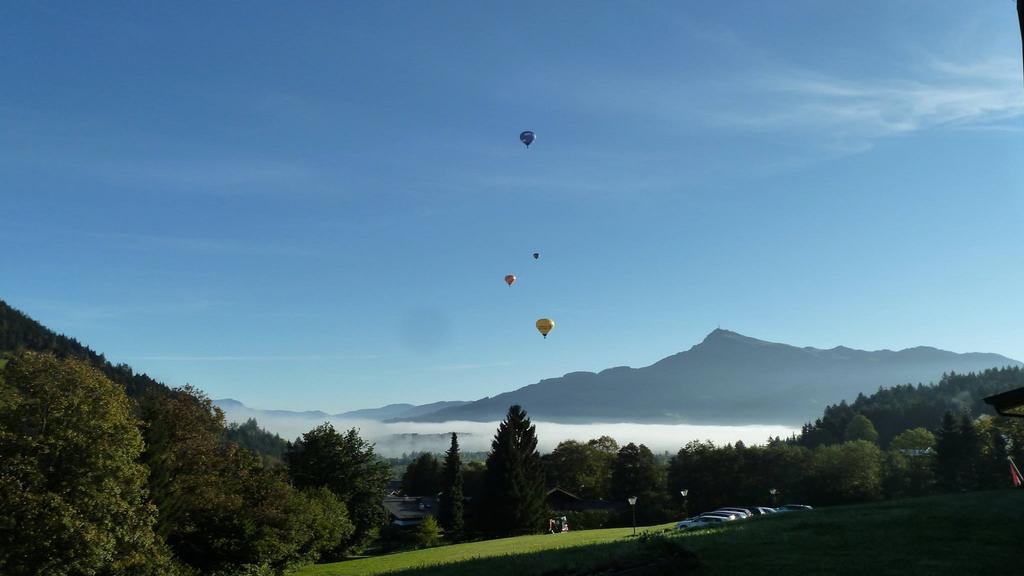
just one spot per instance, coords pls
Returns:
(895, 409)
(238, 411)
(19, 332)
(726, 379)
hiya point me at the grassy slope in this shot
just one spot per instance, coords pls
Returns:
(461, 552)
(973, 533)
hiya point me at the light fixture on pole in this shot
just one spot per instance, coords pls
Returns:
(632, 503)
(684, 492)
(773, 492)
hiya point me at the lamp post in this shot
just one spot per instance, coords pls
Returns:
(684, 493)
(632, 503)
(775, 499)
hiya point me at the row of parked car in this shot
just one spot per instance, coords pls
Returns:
(730, 514)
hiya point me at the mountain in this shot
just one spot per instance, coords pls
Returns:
(726, 379)
(239, 412)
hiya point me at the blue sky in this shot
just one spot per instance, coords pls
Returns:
(312, 206)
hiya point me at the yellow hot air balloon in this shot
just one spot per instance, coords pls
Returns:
(544, 325)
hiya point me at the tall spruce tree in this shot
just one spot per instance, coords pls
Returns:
(947, 453)
(970, 454)
(451, 499)
(514, 494)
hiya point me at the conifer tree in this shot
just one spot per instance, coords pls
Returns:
(451, 499)
(514, 494)
(947, 453)
(970, 454)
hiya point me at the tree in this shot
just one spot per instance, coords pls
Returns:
(422, 476)
(860, 428)
(221, 511)
(72, 492)
(346, 465)
(636, 473)
(848, 472)
(452, 498)
(513, 490)
(428, 534)
(914, 439)
(947, 453)
(970, 454)
(583, 469)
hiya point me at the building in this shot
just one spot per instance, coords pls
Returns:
(406, 511)
(562, 501)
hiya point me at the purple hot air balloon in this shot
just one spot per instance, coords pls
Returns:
(527, 137)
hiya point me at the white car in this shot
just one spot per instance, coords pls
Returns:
(722, 515)
(739, 512)
(794, 508)
(698, 522)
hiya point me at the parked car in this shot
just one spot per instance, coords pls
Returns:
(699, 522)
(793, 508)
(759, 510)
(739, 512)
(722, 515)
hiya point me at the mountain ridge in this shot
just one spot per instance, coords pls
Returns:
(727, 378)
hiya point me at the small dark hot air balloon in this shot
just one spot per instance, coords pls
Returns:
(536, 255)
(510, 279)
(527, 137)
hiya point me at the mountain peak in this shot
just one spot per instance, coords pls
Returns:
(723, 335)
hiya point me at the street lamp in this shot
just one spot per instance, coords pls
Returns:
(683, 493)
(632, 503)
(773, 492)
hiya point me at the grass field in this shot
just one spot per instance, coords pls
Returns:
(976, 533)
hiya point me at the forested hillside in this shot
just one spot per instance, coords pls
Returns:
(20, 332)
(895, 409)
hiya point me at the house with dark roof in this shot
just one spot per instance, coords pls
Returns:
(561, 501)
(409, 510)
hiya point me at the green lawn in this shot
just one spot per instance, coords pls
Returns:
(976, 533)
(461, 552)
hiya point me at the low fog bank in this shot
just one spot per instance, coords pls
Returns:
(395, 439)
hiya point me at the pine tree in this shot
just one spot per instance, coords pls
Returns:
(947, 453)
(514, 494)
(970, 454)
(451, 500)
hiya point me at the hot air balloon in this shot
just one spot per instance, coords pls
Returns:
(527, 137)
(510, 279)
(536, 255)
(544, 325)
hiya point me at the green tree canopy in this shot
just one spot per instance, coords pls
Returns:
(583, 469)
(422, 476)
(860, 428)
(913, 439)
(72, 493)
(636, 473)
(848, 472)
(221, 511)
(347, 466)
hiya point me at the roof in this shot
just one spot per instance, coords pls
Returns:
(561, 500)
(410, 507)
(556, 491)
(1010, 403)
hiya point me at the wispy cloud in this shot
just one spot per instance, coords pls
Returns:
(853, 114)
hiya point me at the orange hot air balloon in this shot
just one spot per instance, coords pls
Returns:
(510, 279)
(544, 325)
